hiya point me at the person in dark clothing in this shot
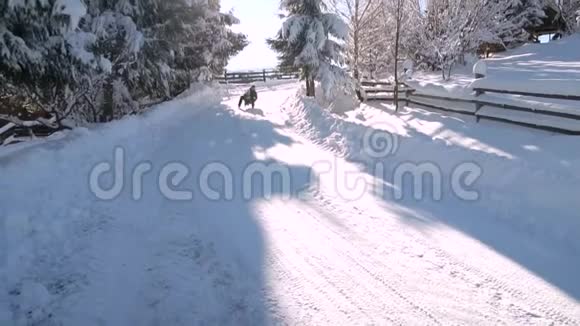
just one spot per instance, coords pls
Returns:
(249, 97)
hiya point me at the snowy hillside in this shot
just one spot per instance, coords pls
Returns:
(552, 68)
(548, 68)
(316, 251)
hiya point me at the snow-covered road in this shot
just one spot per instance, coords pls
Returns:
(315, 252)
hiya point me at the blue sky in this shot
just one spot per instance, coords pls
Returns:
(259, 21)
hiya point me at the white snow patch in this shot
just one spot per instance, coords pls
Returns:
(480, 68)
(75, 9)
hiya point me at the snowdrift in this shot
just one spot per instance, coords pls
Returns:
(536, 196)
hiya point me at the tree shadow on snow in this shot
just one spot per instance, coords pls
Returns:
(511, 233)
(208, 253)
(492, 136)
(231, 223)
(495, 135)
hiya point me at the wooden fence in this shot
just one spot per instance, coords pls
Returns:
(383, 91)
(567, 122)
(12, 133)
(248, 77)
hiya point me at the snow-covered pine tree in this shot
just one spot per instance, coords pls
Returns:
(216, 42)
(311, 39)
(567, 14)
(117, 45)
(574, 12)
(184, 41)
(515, 18)
(43, 55)
(96, 60)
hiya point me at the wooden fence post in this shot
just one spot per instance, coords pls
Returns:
(226, 76)
(478, 105)
(407, 95)
(264, 74)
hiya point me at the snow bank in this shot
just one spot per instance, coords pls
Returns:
(467, 108)
(536, 193)
(480, 68)
(340, 103)
(559, 123)
(535, 103)
(431, 84)
(504, 81)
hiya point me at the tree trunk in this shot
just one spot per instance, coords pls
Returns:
(449, 71)
(107, 106)
(397, 36)
(310, 88)
(356, 40)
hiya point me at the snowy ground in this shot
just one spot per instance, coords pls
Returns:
(320, 251)
(552, 68)
(547, 68)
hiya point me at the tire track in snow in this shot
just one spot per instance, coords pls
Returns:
(470, 274)
(283, 254)
(334, 295)
(496, 284)
(369, 289)
(372, 262)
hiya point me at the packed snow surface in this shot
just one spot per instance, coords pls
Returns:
(320, 250)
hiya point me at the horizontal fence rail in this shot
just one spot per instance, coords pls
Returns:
(257, 76)
(382, 91)
(540, 118)
(11, 133)
(550, 96)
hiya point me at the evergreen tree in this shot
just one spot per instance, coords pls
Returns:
(43, 55)
(567, 15)
(185, 41)
(306, 41)
(517, 18)
(118, 44)
(97, 60)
